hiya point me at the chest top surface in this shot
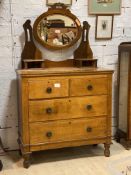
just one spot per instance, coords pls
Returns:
(63, 71)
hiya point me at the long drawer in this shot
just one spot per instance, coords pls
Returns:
(67, 130)
(90, 85)
(48, 88)
(74, 107)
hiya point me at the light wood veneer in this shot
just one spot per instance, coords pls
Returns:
(64, 107)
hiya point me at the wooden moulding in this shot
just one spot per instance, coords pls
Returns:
(66, 144)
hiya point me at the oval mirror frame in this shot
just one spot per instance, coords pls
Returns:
(57, 9)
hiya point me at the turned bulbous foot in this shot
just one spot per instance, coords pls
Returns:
(107, 150)
(27, 160)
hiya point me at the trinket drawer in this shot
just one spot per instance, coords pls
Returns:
(64, 107)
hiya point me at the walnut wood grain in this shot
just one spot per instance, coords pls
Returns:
(30, 52)
(84, 49)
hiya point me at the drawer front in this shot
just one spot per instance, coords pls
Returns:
(88, 86)
(39, 89)
(67, 108)
(67, 130)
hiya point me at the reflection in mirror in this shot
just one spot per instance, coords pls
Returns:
(57, 30)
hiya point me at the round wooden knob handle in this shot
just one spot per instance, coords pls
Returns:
(89, 129)
(49, 134)
(90, 87)
(49, 90)
(49, 111)
(89, 107)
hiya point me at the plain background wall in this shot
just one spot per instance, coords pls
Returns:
(13, 13)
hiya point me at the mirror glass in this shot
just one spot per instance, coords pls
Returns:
(57, 30)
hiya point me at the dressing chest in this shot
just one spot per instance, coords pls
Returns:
(63, 102)
(64, 107)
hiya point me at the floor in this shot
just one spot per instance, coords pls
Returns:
(87, 160)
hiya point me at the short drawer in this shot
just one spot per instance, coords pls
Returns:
(39, 89)
(67, 130)
(74, 107)
(88, 86)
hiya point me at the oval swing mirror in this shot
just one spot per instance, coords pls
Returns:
(57, 28)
